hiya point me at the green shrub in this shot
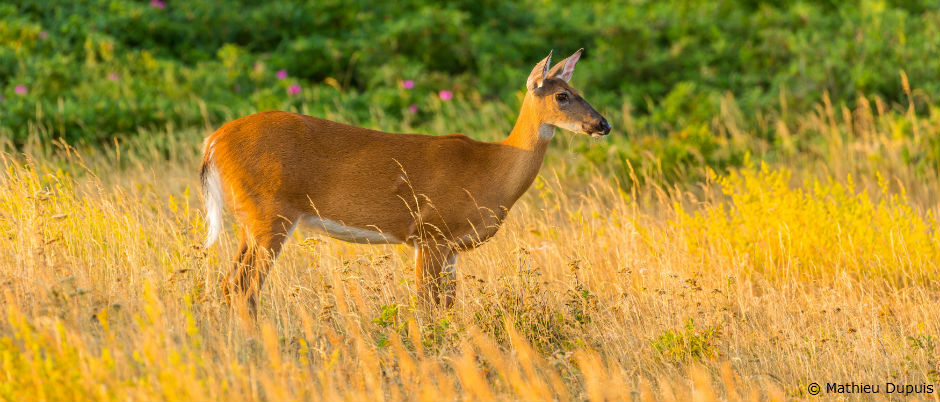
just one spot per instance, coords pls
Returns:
(690, 343)
(89, 71)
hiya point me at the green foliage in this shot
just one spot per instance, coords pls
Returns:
(110, 66)
(690, 343)
(923, 347)
(439, 334)
(388, 317)
(89, 71)
(522, 302)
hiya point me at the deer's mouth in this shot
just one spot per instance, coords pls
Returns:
(598, 129)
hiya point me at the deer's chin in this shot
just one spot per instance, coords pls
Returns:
(597, 134)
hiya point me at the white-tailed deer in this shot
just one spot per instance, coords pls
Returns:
(439, 194)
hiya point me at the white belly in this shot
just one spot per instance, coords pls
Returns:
(351, 234)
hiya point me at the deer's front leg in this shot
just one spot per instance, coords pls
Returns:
(435, 273)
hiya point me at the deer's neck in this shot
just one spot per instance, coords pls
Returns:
(529, 133)
(525, 151)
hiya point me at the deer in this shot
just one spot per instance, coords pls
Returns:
(440, 194)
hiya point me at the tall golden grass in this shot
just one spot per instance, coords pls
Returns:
(748, 285)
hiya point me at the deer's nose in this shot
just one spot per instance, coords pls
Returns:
(598, 128)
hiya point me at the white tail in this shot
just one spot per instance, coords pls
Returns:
(212, 191)
(441, 194)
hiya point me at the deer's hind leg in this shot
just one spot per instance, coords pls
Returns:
(260, 242)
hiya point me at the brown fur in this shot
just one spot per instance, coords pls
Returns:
(441, 194)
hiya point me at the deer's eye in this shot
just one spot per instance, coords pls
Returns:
(561, 97)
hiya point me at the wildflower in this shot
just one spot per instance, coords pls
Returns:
(157, 4)
(43, 34)
(293, 89)
(114, 76)
(445, 95)
(21, 89)
(413, 108)
(408, 84)
(282, 74)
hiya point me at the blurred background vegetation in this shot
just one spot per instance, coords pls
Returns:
(685, 83)
(764, 210)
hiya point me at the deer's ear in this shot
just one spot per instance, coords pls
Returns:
(565, 68)
(539, 73)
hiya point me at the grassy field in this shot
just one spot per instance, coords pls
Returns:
(608, 283)
(764, 216)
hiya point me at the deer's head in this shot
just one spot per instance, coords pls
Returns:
(560, 105)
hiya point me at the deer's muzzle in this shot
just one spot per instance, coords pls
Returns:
(598, 129)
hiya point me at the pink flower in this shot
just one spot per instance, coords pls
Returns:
(413, 108)
(293, 89)
(157, 4)
(445, 95)
(43, 34)
(282, 74)
(114, 76)
(21, 89)
(408, 84)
